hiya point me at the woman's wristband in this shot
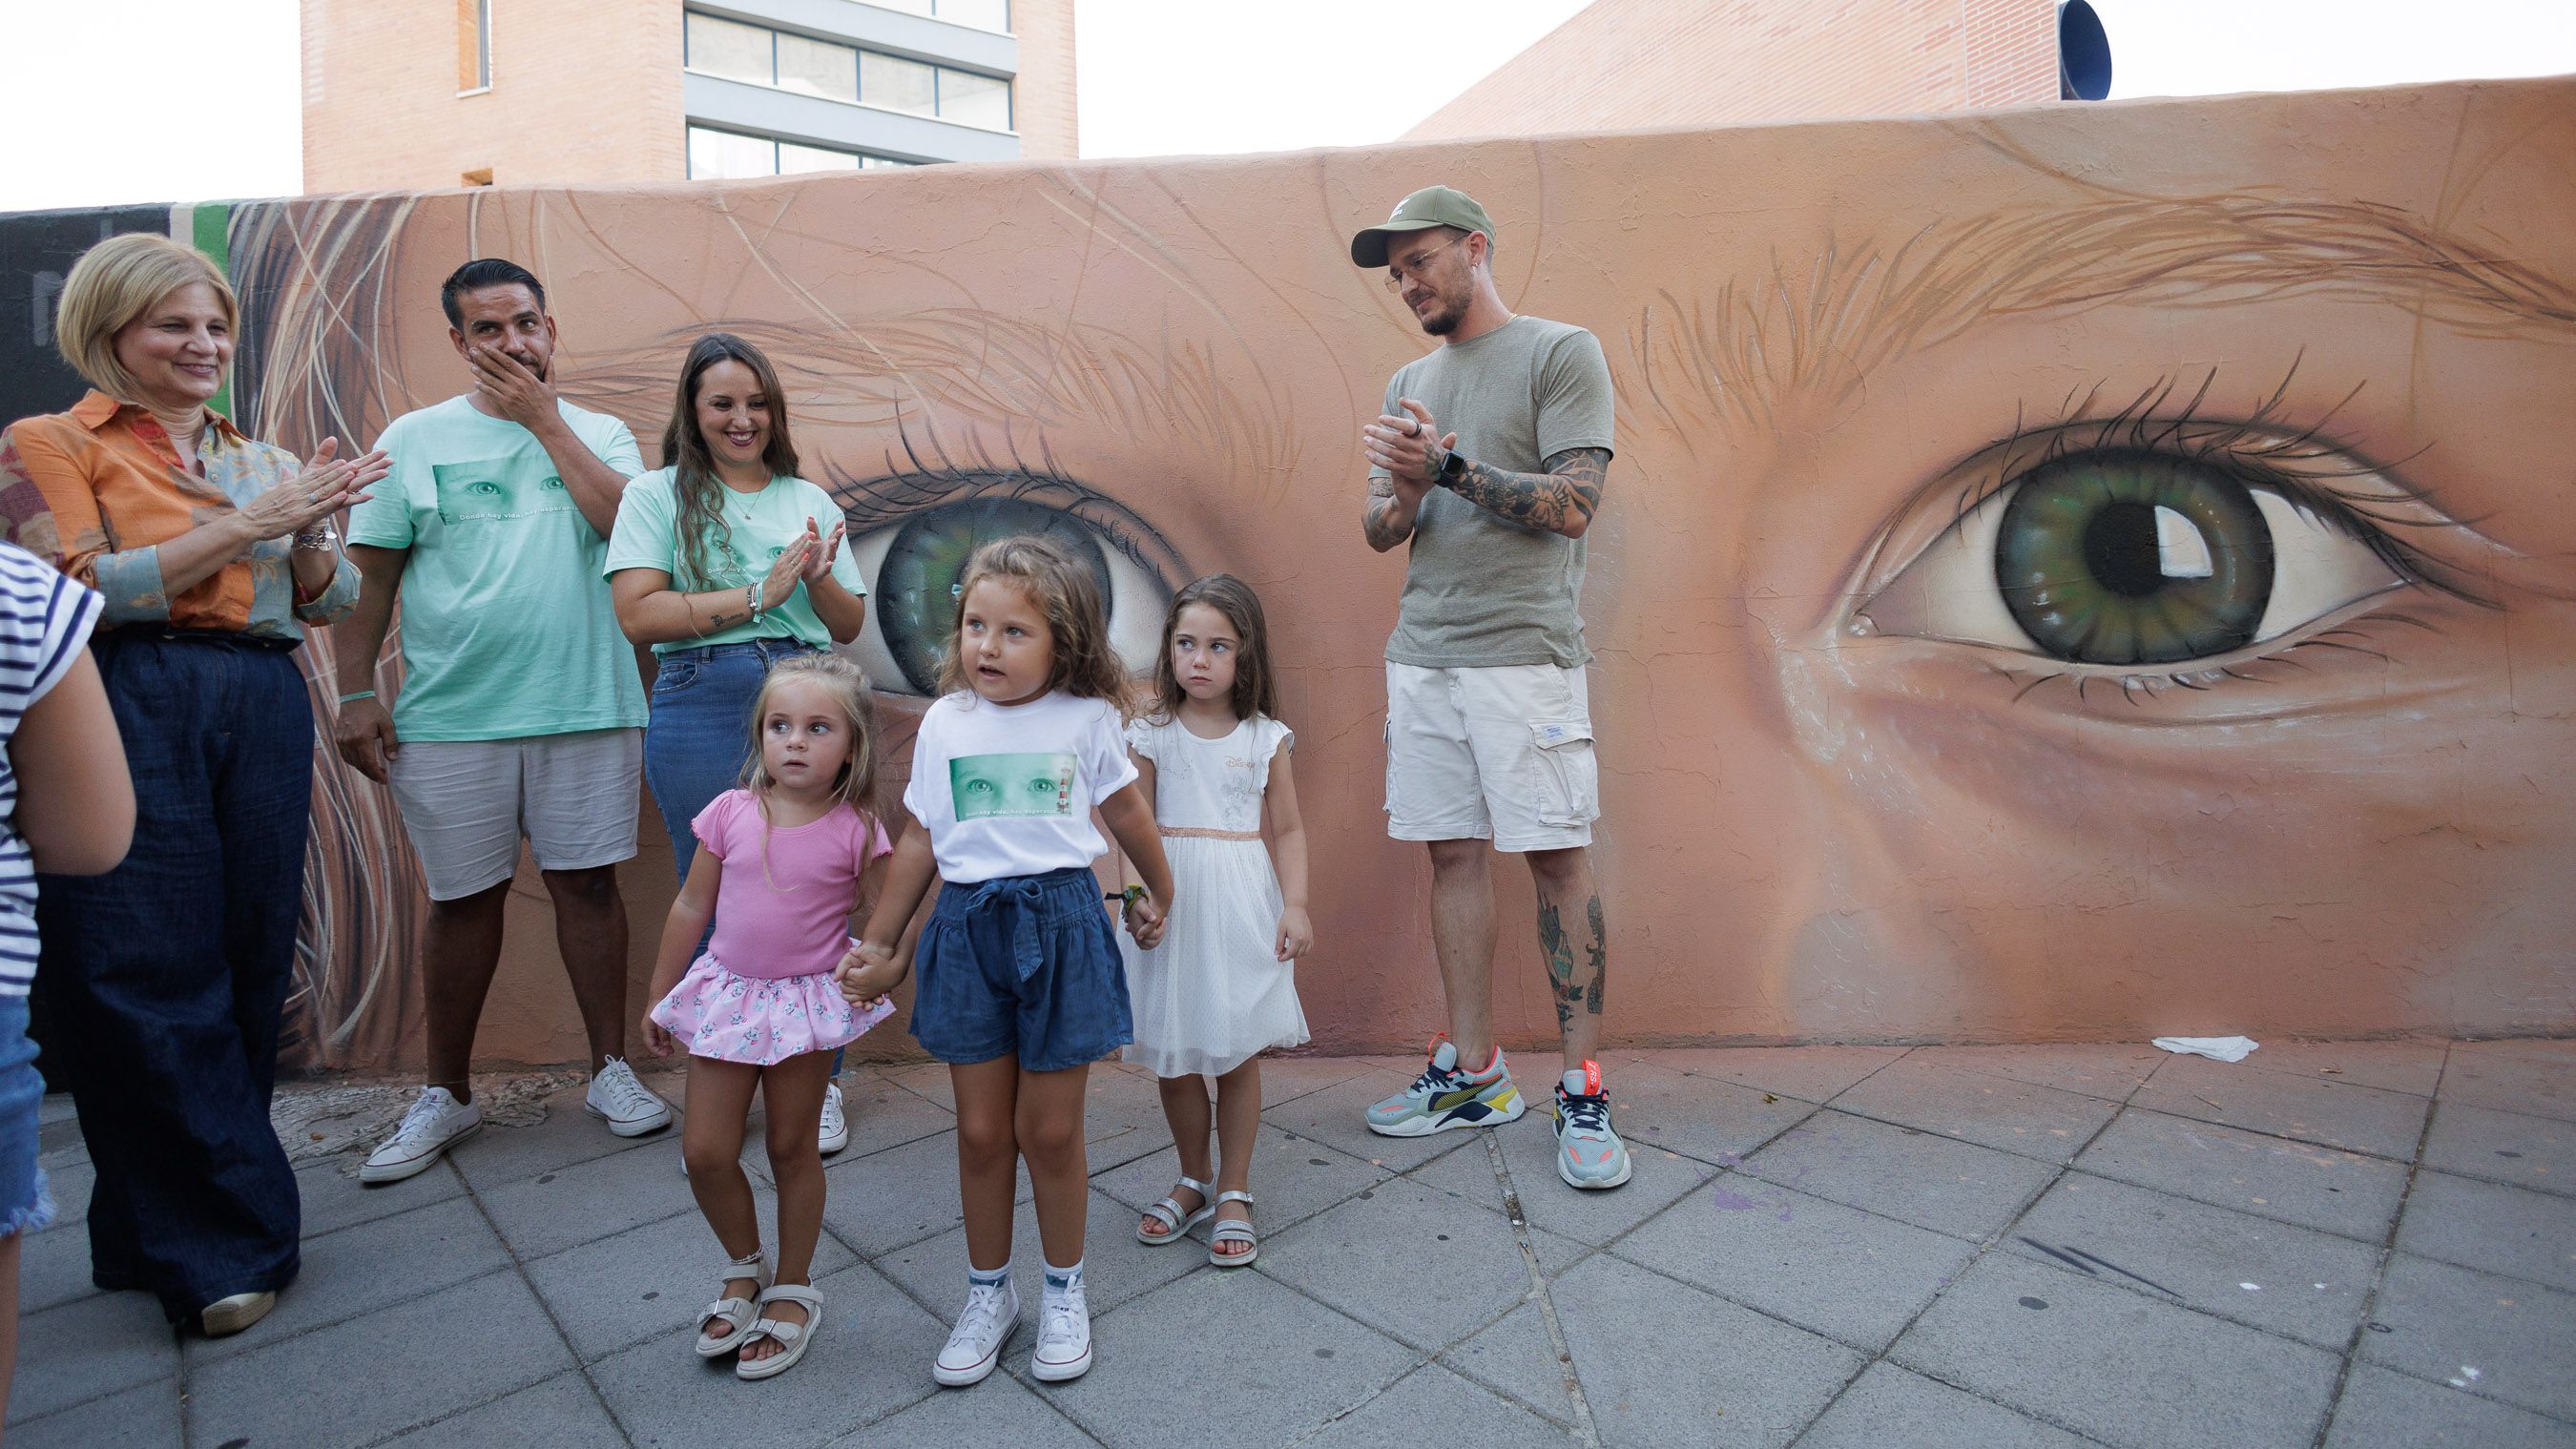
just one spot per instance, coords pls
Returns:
(355, 695)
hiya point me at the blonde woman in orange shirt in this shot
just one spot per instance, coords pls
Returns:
(164, 977)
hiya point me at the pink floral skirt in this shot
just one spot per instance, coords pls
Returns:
(761, 1020)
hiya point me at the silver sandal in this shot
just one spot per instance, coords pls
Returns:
(1168, 1212)
(737, 1311)
(797, 1337)
(1229, 1230)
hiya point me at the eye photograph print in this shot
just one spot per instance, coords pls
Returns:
(1594, 722)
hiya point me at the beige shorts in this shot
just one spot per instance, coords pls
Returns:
(466, 804)
(1501, 754)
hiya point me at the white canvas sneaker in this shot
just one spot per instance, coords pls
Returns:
(992, 1314)
(836, 1126)
(627, 1105)
(435, 1123)
(1064, 1336)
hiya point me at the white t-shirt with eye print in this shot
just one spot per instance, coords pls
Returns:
(1008, 790)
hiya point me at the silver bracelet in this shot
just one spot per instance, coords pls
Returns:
(751, 601)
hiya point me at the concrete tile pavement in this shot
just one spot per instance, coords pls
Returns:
(1827, 1246)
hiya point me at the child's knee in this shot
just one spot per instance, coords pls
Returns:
(793, 1146)
(981, 1139)
(1050, 1139)
(707, 1157)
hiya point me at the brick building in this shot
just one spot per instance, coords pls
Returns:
(435, 93)
(1624, 64)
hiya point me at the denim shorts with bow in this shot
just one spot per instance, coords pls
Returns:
(1023, 966)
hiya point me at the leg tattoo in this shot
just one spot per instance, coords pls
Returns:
(1599, 950)
(1560, 961)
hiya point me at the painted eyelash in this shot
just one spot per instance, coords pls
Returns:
(913, 484)
(2252, 450)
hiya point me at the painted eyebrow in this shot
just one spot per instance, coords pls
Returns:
(943, 375)
(1818, 333)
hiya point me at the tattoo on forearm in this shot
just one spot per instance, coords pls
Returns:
(1568, 493)
(1377, 521)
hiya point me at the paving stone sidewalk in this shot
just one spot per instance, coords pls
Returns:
(2338, 1245)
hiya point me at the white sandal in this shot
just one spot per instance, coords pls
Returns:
(796, 1336)
(737, 1311)
(1228, 1230)
(1168, 1212)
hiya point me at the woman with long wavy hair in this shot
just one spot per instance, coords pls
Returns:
(725, 562)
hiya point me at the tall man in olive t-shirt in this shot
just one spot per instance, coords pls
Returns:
(1489, 460)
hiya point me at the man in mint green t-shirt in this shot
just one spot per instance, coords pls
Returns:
(520, 712)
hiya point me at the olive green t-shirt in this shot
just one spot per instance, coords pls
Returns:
(1479, 590)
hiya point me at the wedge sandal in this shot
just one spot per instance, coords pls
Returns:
(797, 1337)
(1229, 1231)
(1177, 1223)
(737, 1311)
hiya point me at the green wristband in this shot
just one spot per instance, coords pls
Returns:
(357, 695)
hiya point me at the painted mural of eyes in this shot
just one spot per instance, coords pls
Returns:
(2174, 548)
(911, 535)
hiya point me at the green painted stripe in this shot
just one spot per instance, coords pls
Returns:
(212, 223)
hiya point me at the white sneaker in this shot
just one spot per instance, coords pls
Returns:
(629, 1106)
(1064, 1336)
(836, 1127)
(435, 1123)
(992, 1315)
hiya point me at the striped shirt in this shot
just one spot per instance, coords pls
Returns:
(45, 618)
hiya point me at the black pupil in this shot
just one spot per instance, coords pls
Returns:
(2120, 549)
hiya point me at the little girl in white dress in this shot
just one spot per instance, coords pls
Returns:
(1221, 987)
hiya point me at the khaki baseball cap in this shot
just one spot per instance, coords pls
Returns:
(1429, 207)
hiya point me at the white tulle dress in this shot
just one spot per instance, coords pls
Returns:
(1214, 993)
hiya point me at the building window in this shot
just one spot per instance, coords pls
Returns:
(473, 45)
(818, 68)
(731, 50)
(781, 60)
(898, 85)
(733, 156)
(993, 15)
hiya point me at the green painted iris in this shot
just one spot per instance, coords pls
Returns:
(916, 586)
(2126, 556)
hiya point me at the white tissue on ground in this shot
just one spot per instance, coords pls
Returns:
(2219, 1048)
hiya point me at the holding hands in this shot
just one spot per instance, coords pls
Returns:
(1410, 448)
(867, 972)
(328, 484)
(1146, 917)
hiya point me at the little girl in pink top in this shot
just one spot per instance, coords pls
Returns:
(781, 864)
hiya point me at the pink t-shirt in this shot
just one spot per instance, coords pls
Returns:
(791, 918)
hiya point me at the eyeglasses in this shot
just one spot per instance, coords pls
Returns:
(1395, 270)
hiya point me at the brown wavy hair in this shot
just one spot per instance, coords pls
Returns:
(693, 472)
(1084, 666)
(1255, 691)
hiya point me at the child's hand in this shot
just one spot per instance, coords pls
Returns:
(867, 972)
(657, 1040)
(1296, 934)
(1145, 920)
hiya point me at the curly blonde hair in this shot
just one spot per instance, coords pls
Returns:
(1084, 666)
(847, 685)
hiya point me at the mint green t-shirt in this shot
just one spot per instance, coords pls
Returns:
(507, 630)
(758, 528)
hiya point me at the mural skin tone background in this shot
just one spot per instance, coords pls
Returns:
(1841, 799)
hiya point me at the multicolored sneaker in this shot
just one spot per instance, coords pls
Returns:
(1588, 1150)
(1444, 1097)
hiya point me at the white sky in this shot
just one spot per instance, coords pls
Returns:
(1157, 76)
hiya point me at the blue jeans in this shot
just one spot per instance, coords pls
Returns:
(164, 978)
(25, 1207)
(700, 736)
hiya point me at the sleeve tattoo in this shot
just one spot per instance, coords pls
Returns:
(1376, 524)
(1560, 500)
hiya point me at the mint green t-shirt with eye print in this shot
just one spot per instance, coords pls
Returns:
(758, 527)
(506, 627)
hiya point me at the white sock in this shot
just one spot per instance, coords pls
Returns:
(988, 1278)
(1060, 1281)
